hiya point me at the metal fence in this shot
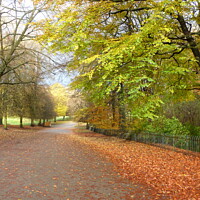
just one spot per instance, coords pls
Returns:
(186, 142)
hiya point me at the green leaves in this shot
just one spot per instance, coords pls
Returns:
(135, 44)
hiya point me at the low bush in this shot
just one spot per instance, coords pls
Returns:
(167, 126)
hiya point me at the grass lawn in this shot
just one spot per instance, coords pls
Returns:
(15, 121)
(27, 121)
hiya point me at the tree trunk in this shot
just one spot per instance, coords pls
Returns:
(54, 119)
(21, 122)
(87, 125)
(113, 104)
(1, 120)
(122, 112)
(6, 121)
(32, 122)
(63, 118)
(43, 123)
(40, 122)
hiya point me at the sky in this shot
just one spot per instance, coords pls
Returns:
(58, 77)
(63, 78)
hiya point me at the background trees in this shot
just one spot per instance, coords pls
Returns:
(24, 63)
(59, 94)
(15, 32)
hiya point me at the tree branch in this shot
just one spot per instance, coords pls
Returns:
(130, 10)
(191, 41)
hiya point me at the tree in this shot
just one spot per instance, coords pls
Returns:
(18, 101)
(135, 50)
(5, 95)
(22, 60)
(59, 94)
(77, 105)
(46, 110)
(15, 30)
(19, 49)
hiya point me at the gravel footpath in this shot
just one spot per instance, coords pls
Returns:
(53, 166)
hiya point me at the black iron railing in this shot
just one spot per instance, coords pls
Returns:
(186, 142)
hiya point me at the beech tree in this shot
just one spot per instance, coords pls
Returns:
(131, 55)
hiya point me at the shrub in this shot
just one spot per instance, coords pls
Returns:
(167, 126)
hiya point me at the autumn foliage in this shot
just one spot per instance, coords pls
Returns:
(102, 117)
(170, 174)
(135, 56)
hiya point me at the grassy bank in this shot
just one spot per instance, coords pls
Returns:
(27, 121)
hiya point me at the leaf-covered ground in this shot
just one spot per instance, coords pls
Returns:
(16, 134)
(169, 173)
(53, 164)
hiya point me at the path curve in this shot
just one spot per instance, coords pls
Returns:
(55, 167)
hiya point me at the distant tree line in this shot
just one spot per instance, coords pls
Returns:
(24, 65)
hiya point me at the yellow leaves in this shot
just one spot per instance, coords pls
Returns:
(59, 93)
(89, 74)
(90, 59)
(108, 49)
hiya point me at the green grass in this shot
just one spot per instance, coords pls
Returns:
(27, 121)
(60, 118)
(15, 121)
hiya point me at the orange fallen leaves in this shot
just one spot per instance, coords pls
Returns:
(169, 173)
(14, 133)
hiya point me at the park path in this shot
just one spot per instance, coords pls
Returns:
(53, 166)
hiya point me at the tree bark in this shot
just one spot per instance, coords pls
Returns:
(122, 112)
(40, 122)
(113, 105)
(6, 120)
(32, 122)
(21, 122)
(190, 39)
(43, 123)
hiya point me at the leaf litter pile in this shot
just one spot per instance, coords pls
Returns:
(169, 173)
